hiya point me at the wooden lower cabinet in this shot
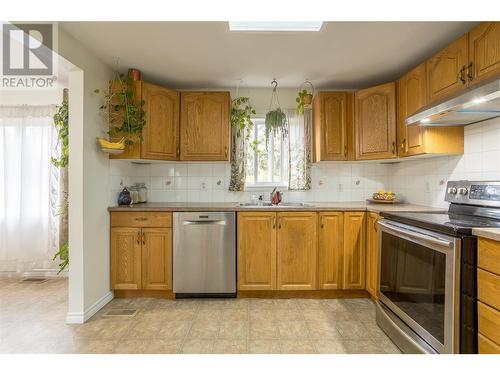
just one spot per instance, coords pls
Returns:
(330, 250)
(354, 250)
(296, 251)
(372, 253)
(257, 251)
(126, 258)
(488, 295)
(141, 257)
(157, 258)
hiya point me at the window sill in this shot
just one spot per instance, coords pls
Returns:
(265, 187)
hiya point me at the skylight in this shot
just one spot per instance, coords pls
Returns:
(275, 26)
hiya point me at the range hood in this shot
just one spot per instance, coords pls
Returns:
(475, 105)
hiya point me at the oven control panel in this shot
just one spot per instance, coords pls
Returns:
(483, 193)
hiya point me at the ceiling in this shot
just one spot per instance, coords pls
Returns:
(343, 55)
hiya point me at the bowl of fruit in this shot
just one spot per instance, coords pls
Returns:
(382, 196)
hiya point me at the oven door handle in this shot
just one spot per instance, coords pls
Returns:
(416, 235)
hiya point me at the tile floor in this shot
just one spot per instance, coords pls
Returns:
(32, 321)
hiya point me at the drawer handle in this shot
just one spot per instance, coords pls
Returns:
(144, 239)
(461, 75)
(225, 152)
(141, 218)
(138, 238)
(274, 222)
(470, 71)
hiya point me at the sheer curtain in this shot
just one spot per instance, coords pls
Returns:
(28, 189)
(299, 154)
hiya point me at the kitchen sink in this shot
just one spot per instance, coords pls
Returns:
(268, 204)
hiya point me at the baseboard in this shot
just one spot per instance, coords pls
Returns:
(80, 318)
(354, 293)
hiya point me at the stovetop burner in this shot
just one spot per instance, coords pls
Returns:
(473, 204)
(447, 223)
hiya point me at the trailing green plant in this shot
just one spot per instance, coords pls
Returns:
(276, 120)
(303, 99)
(61, 122)
(277, 123)
(241, 119)
(63, 255)
(126, 116)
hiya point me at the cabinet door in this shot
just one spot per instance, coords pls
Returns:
(205, 126)
(330, 250)
(161, 133)
(446, 70)
(375, 122)
(372, 253)
(256, 251)
(354, 250)
(332, 122)
(297, 250)
(125, 258)
(412, 96)
(157, 258)
(484, 52)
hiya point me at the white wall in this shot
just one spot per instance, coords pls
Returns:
(424, 181)
(89, 219)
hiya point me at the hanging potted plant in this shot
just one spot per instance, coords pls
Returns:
(276, 120)
(304, 97)
(126, 115)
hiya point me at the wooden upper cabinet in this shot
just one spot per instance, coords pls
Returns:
(354, 250)
(126, 258)
(161, 133)
(415, 139)
(333, 117)
(330, 250)
(205, 126)
(297, 251)
(412, 96)
(484, 52)
(446, 70)
(157, 258)
(372, 253)
(375, 122)
(256, 251)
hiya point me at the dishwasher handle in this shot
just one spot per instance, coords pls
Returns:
(204, 222)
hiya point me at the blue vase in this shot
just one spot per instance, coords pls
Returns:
(124, 199)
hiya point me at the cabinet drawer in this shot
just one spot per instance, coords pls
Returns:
(488, 288)
(489, 322)
(488, 255)
(141, 219)
(486, 346)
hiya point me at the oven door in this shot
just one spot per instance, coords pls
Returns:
(418, 274)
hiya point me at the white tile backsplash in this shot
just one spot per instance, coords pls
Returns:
(209, 182)
(423, 181)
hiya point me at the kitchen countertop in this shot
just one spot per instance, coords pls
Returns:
(313, 206)
(490, 233)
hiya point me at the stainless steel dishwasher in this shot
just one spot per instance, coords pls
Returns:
(204, 254)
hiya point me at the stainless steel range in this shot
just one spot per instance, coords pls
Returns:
(427, 271)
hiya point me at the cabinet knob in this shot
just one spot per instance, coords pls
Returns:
(274, 222)
(143, 238)
(393, 148)
(178, 151)
(138, 237)
(225, 152)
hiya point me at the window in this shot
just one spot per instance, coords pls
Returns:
(266, 166)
